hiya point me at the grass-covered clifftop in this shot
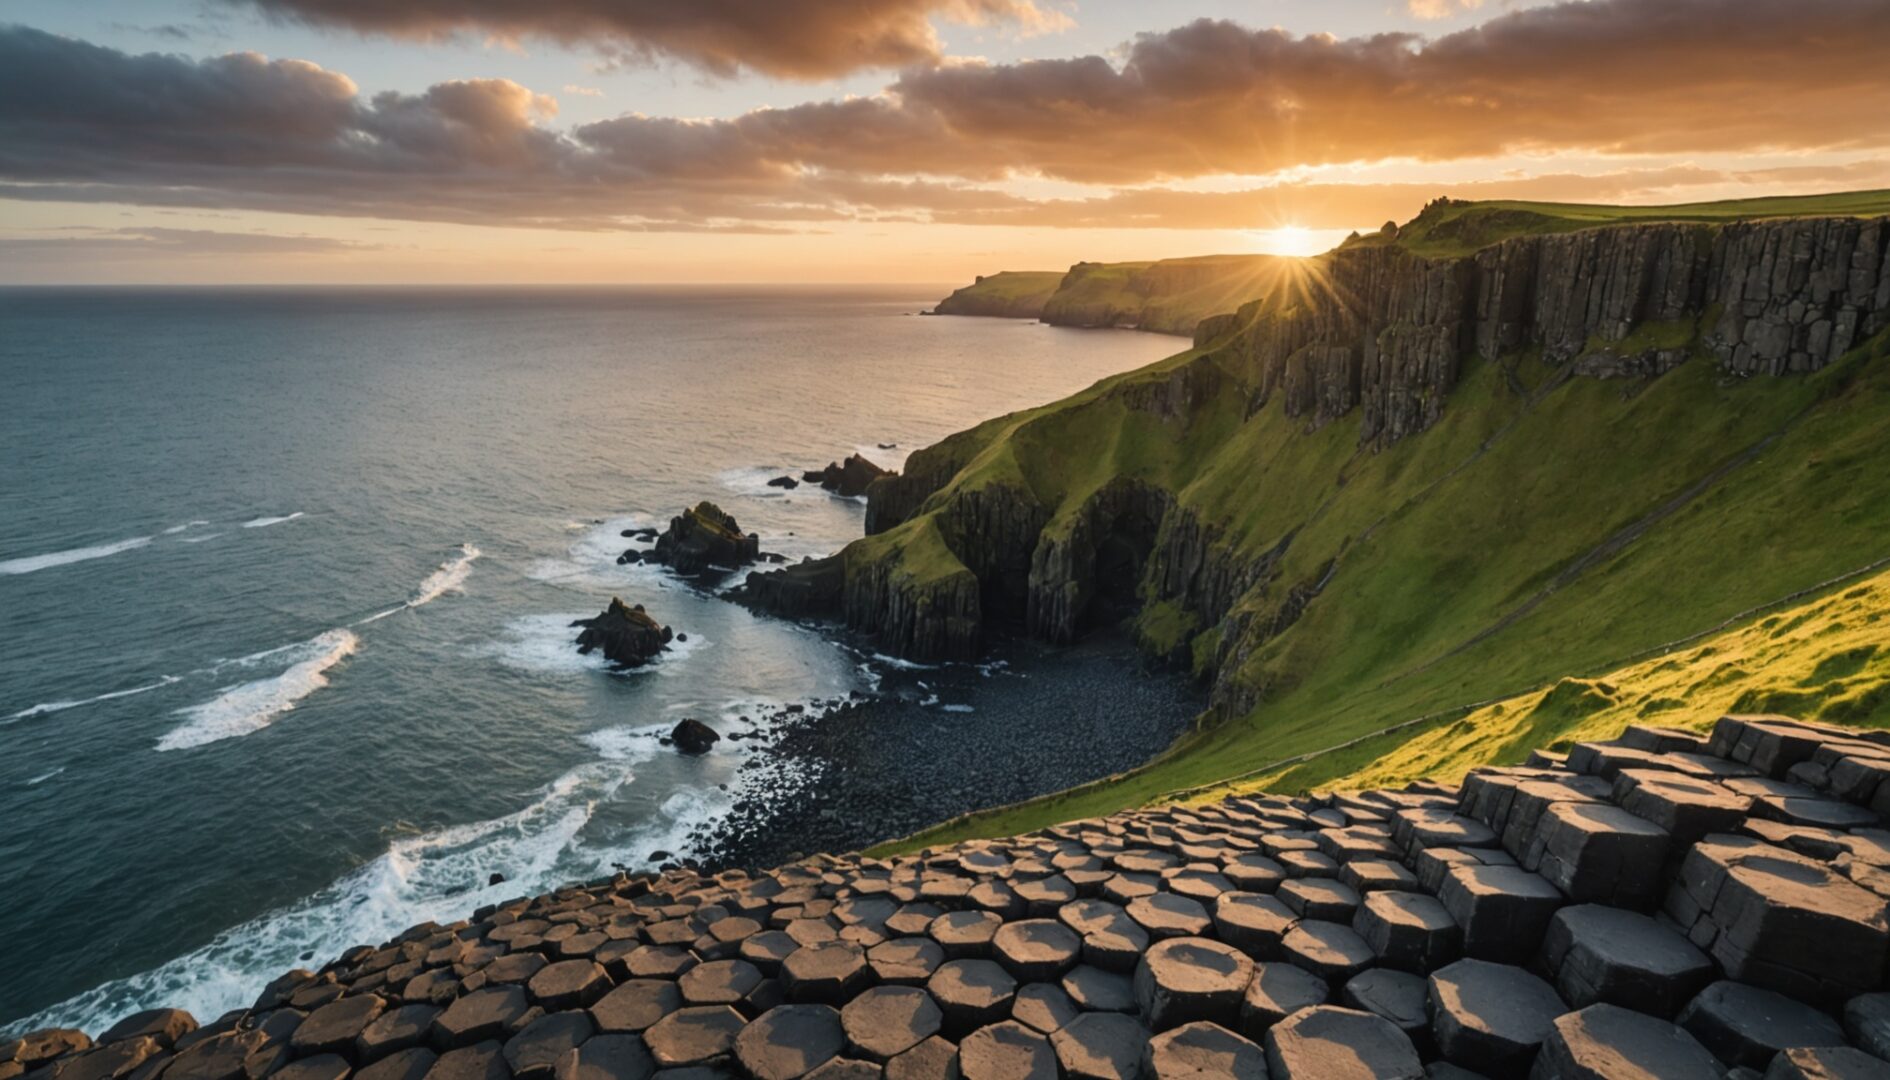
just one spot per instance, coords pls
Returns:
(1169, 296)
(1399, 486)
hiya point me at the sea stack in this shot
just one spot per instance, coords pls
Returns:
(627, 635)
(703, 540)
(848, 479)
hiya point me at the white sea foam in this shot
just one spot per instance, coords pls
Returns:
(45, 776)
(955, 708)
(752, 481)
(62, 706)
(450, 577)
(547, 645)
(894, 459)
(439, 875)
(199, 538)
(591, 560)
(30, 563)
(265, 522)
(252, 706)
(186, 526)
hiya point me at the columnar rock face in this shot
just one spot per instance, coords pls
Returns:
(1384, 331)
(1251, 937)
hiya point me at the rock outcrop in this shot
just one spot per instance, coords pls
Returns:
(1384, 331)
(1664, 905)
(704, 540)
(848, 479)
(628, 636)
(692, 736)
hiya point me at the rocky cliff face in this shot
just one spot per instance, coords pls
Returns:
(1369, 329)
(1383, 331)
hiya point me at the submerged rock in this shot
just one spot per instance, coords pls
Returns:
(847, 479)
(702, 539)
(626, 635)
(787, 483)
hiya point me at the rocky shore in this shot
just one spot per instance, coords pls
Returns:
(1667, 905)
(936, 743)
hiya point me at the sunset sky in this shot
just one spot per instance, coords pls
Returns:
(876, 140)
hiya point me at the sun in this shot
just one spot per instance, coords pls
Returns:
(1294, 240)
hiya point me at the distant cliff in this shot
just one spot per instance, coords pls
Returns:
(1009, 294)
(1497, 444)
(1168, 296)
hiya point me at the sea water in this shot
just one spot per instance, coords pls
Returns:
(286, 579)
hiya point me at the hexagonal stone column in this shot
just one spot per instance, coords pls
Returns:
(1186, 979)
(1503, 910)
(1203, 1051)
(907, 961)
(1329, 950)
(1409, 931)
(1744, 1025)
(607, 1057)
(1101, 1046)
(965, 934)
(1166, 915)
(1328, 1042)
(1490, 1017)
(636, 1005)
(1600, 853)
(693, 1036)
(1867, 1022)
(829, 973)
(1277, 991)
(1687, 807)
(483, 1014)
(1111, 940)
(790, 1041)
(537, 1049)
(1776, 919)
(1826, 1063)
(1603, 954)
(1398, 996)
(1006, 1051)
(1254, 924)
(971, 994)
(1607, 1042)
(886, 1021)
(1034, 950)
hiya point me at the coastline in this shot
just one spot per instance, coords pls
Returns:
(938, 741)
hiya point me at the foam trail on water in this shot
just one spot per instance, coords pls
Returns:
(448, 578)
(62, 706)
(43, 777)
(199, 539)
(175, 529)
(254, 705)
(30, 563)
(439, 875)
(264, 522)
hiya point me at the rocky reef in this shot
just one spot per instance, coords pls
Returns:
(628, 636)
(1665, 905)
(704, 540)
(848, 479)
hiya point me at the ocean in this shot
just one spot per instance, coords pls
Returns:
(286, 578)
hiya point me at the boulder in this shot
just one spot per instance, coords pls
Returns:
(785, 483)
(704, 540)
(626, 635)
(692, 736)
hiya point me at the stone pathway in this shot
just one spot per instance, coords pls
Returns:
(1662, 906)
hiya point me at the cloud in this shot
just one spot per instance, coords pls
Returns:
(798, 39)
(151, 242)
(583, 91)
(1663, 78)
(1440, 9)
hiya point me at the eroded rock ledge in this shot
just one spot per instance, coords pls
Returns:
(1666, 905)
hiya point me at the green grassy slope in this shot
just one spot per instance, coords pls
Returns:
(1546, 527)
(1164, 296)
(1459, 228)
(1011, 294)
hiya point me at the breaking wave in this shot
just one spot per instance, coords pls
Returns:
(265, 522)
(30, 563)
(252, 706)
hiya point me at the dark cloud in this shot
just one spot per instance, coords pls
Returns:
(802, 39)
(83, 123)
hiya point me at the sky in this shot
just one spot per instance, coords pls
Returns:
(646, 141)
